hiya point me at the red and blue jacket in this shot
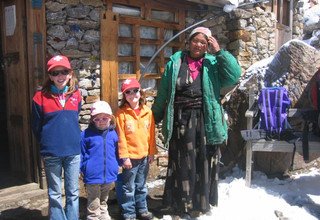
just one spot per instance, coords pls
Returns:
(57, 127)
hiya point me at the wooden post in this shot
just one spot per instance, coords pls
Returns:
(249, 116)
(109, 58)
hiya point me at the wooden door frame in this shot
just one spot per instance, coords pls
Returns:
(36, 41)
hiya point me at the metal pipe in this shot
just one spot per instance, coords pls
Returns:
(171, 39)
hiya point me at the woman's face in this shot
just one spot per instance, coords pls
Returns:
(60, 76)
(198, 45)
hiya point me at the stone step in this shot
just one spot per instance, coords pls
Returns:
(17, 189)
(19, 202)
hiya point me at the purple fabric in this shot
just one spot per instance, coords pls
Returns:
(273, 103)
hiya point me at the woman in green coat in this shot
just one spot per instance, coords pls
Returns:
(193, 121)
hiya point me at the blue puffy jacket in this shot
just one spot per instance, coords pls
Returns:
(99, 155)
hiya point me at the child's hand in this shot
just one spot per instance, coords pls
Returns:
(151, 159)
(127, 164)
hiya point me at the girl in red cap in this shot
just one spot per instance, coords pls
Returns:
(55, 112)
(137, 147)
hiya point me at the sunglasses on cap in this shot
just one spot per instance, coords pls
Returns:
(57, 72)
(132, 91)
(101, 119)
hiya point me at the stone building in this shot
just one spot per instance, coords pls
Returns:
(111, 40)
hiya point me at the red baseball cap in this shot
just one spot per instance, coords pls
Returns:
(130, 84)
(58, 60)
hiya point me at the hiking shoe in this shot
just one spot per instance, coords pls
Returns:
(146, 216)
(185, 216)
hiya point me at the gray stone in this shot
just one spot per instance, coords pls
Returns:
(57, 31)
(55, 6)
(92, 36)
(80, 11)
(95, 15)
(94, 3)
(85, 47)
(72, 43)
(85, 83)
(94, 92)
(75, 53)
(56, 17)
(84, 24)
(57, 45)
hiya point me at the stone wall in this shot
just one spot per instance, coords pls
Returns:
(73, 29)
(311, 29)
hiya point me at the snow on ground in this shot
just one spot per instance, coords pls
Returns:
(295, 198)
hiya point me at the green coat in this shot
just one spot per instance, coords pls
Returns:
(219, 71)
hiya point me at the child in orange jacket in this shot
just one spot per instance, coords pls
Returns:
(137, 147)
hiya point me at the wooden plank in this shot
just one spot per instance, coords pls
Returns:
(164, 5)
(249, 161)
(158, 24)
(284, 146)
(248, 146)
(36, 37)
(137, 50)
(16, 83)
(109, 58)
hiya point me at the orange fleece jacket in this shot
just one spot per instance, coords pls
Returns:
(136, 133)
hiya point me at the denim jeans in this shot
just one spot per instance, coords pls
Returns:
(53, 167)
(134, 197)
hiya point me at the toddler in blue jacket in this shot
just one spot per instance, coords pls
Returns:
(99, 159)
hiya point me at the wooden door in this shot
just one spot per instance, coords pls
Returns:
(284, 12)
(14, 49)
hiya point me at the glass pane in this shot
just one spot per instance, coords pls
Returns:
(149, 69)
(148, 32)
(147, 50)
(162, 15)
(148, 83)
(125, 50)
(125, 30)
(125, 10)
(125, 68)
(168, 34)
(168, 51)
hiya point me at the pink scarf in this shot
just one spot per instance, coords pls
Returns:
(194, 67)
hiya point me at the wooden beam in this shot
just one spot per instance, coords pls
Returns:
(36, 38)
(109, 58)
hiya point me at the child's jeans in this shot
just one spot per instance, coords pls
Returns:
(53, 167)
(134, 198)
(97, 196)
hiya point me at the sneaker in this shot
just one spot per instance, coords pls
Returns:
(146, 216)
(185, 216)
